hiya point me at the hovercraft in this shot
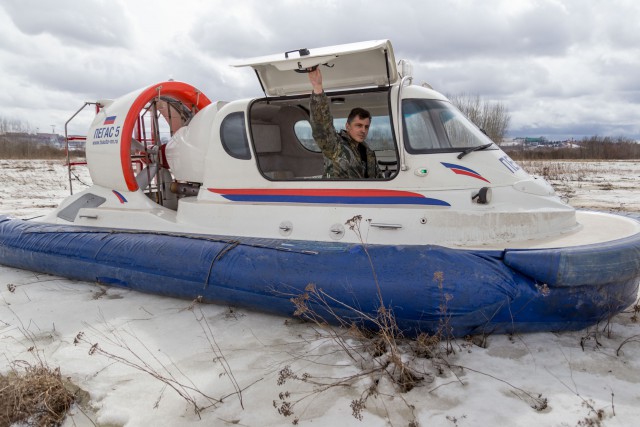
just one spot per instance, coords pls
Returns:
(227, 202)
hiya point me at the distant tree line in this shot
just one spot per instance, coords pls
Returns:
(18, 141)
(21, 147)
(590, 148)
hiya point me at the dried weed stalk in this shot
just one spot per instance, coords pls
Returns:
(379, 351)
(33, 395)
(145, 360)
(634, 311)
(634, 338)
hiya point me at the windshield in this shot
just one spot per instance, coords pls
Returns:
(437, 126)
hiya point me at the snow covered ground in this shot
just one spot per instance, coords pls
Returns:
(610, 186)
(138, 356)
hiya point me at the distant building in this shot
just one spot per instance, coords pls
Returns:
(76, 142)
(52, 139)
(540, 142)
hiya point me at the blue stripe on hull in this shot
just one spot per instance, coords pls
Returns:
(483, 293)
(341, 200)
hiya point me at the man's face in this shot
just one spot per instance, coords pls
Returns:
(358, 129)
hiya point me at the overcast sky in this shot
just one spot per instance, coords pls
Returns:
(561, 67)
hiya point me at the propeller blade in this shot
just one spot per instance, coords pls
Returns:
(136, 146)
(146, 175)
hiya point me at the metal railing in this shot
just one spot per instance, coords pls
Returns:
(68, 138)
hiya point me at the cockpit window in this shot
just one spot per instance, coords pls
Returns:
(437, 126)
(234, 136)
(283, 143)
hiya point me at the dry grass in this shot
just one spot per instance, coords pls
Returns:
(373, 343)
(33, 395)
(563, 170)
(387, 365)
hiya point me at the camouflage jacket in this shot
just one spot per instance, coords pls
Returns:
(342, 158)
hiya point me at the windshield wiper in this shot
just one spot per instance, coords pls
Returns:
(472, 149)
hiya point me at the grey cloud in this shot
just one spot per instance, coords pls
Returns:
(75, 71)
(216, 78)
(490, 79)
(461, 31)
(425, 30)
(260, 31)
(558, 66)
(619, 74)
(615, 23)
(87, 23)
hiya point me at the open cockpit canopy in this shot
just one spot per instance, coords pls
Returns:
(348, 66)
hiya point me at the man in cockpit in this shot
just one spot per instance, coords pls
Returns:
(346, 154)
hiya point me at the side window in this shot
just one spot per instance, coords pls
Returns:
(302, 129)
(234, 136)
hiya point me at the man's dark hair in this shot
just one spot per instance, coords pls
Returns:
(358, 112)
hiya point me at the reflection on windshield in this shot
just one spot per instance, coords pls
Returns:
(434, 125)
